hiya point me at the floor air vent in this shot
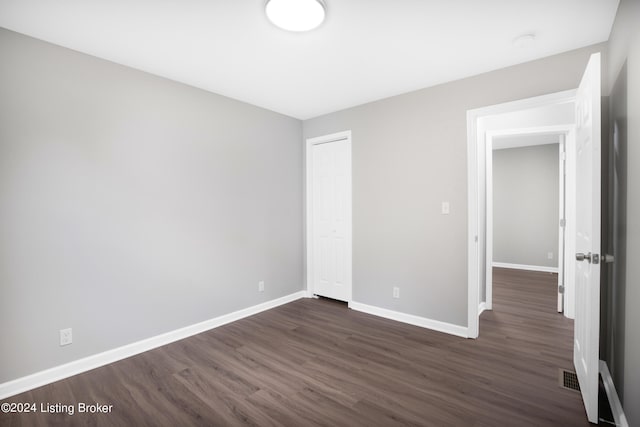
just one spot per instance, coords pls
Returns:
(569, 380)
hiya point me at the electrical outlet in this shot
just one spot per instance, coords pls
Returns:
(66, 336)
(396, 292)
(261, 286)
(549, 255)
(446, 208)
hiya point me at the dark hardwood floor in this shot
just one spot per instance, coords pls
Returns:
(315, 362)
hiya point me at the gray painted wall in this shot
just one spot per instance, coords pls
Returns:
(409, 155)
(622, 349)
(131, 205)
(525, 205)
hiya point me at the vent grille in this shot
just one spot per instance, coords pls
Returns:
(568, 380)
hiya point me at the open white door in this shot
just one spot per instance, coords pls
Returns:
(587, 319)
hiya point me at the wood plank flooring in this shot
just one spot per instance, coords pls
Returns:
(317, 363)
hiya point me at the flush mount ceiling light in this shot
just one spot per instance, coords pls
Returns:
(295, 15)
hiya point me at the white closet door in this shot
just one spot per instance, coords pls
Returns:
(331, 216)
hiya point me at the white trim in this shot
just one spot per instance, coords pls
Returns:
(423, 322)
(526, 267)
(338, 136)
(570, 225)
(482, 307)
(60, 372)
(488, 271)
(561, 202)
(475, 190)
(473, 226)
(612, 395)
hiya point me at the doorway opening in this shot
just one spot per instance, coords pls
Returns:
(525, 206)
(552, 114)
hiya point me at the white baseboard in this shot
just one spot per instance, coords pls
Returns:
(612, 395)
(57, 373)
(411, 319)
(526, 267)
(481, 307)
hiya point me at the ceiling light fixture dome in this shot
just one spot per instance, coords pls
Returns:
(296, 15)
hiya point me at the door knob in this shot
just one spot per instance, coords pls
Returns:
(591, 258)
(582, 257)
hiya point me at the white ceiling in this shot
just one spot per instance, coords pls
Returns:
(366, 49)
